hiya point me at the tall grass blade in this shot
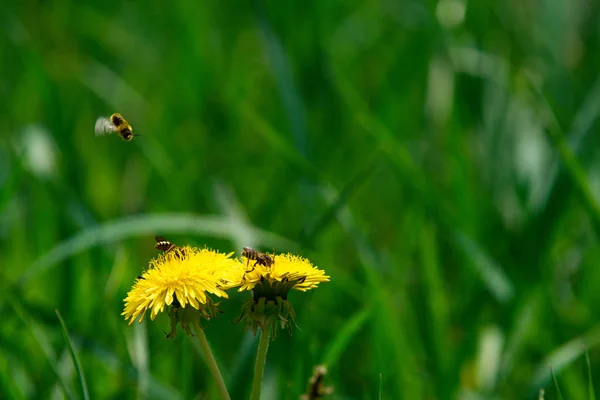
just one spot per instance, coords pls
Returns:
(558, 392)
(350, 189)
(285, 83)
(74, 357)
(491, 273)
(569, 159)
(564, 356)
(146, 225)
(342, 340)
(43, 341)
(591, 393)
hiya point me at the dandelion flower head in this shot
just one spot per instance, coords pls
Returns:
(269, 308)
(287, 272)
(181, 277)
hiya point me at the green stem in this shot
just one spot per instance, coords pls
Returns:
(210, 361)
(261, 358)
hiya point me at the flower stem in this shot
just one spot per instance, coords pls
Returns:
(261, 358)
(210, 361)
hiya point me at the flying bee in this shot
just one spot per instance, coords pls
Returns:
(114, 123)
(163, 244)
(258, 257)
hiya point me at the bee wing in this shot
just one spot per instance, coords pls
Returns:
(104, 126)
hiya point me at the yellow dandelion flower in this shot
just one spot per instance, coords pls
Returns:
(287, 272)
(270, 285)
(179, 279)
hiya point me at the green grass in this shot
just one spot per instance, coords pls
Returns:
(445, 176)
(74, 358)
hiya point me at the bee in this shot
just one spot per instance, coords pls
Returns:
(163, 244)
(114, 123)
(260, 258)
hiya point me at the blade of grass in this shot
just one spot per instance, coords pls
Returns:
(285, 83)
(579, 177)
(74, 357)
(185, 371)
(564, 356)
(146, 225)
(231, 207)
(591, 393)
(579, 131)
(290, 97)
(568, 158)
(346, 193)
(388, 142)
(151, 387)
(345, 334)
(13, 173)
(401, 345)
(43, 341)
(277, 141)
(138, 349)
(380, 386)
(8, 367)
(558, 392)
(105, 83)
(585, 117)
(526, 320)
(492, 274)
(436, 300)
(242, 362)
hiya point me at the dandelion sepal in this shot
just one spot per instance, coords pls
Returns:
(189, 316)
(268, 315)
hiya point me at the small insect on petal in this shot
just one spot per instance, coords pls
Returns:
(166, 246)
(259, 258)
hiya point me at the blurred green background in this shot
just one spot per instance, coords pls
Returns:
(439, 159)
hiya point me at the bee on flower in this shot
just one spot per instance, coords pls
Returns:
(270, 284)
(259, 258)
